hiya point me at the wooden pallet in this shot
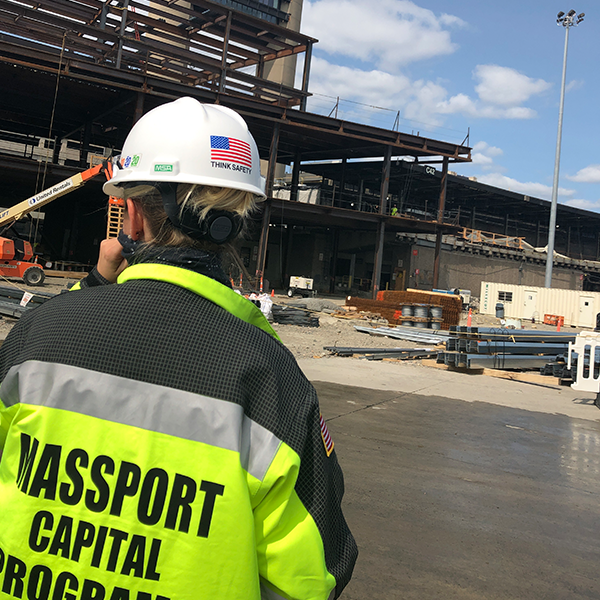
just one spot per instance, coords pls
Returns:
(527, 377)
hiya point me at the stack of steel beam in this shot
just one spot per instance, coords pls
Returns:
(381, 353)
(10, 301)
(495, 348)
(288, 315)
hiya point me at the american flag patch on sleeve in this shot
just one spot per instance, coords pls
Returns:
(325, 436)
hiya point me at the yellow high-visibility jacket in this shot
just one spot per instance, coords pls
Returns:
(158, 443)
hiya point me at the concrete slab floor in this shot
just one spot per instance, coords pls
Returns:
(450, 498)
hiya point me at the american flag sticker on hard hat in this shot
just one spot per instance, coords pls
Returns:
(231, 150)
(325, 435)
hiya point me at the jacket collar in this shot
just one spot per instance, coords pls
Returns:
(207, 287)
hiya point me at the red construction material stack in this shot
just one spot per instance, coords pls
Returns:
(389, 305)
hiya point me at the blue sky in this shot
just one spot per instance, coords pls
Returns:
(492, 67)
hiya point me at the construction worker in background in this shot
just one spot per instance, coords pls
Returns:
(158, 441)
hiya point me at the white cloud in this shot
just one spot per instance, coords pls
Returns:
(485, 148)
(504, 86)
(529, 188)
(463, 104)
(590, 174)
(388, 33)
(417, 100)
(501, 92)
(483, 156)
(593, 205)
(576, 84)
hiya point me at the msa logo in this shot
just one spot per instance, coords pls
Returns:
(163, 168)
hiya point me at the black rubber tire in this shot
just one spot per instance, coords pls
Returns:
(34, 276)
(290, 292)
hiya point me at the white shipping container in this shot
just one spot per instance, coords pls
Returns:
(578, 308)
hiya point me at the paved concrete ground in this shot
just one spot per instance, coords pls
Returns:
(493, 496)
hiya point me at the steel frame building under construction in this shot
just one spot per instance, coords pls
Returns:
(78, 74)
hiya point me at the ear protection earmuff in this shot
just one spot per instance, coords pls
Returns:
(218, 227)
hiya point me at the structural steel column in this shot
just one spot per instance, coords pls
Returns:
(343, 181)
(122, 32)
(223, 79)
(266, 218)
(139, 107)
(440, 220)
(360, 194)
(352, 269)
(385, 186)
(103, 14)
(306, 74)
(334, 257)
(295, 178)
(385, 181)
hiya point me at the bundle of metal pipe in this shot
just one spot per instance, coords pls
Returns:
(422, 336)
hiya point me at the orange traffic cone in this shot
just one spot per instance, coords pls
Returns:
(558, 325)
(469, 319)
(272, 293)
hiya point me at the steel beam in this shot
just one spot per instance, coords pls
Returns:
(350, 350)
(122, 32)
(295, 178)
(139, 107)
(385, 186)
(506, 348)
(223, 79)
(306, 74)
(266, 218)
(505, 361)
(440, 220)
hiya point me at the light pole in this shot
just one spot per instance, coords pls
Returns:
(567, 21)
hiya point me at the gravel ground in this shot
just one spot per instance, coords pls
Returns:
(304, 342)
(308, 342)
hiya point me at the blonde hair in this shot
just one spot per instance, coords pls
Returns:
(197, 199)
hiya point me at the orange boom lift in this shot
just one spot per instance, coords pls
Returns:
(16, 256)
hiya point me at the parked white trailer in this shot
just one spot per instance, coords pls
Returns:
(578, 308)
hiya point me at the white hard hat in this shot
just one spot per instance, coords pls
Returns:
(188, 142)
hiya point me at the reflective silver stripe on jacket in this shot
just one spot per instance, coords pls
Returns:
(145, 405)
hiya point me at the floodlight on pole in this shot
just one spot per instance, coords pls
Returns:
(567, 21)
